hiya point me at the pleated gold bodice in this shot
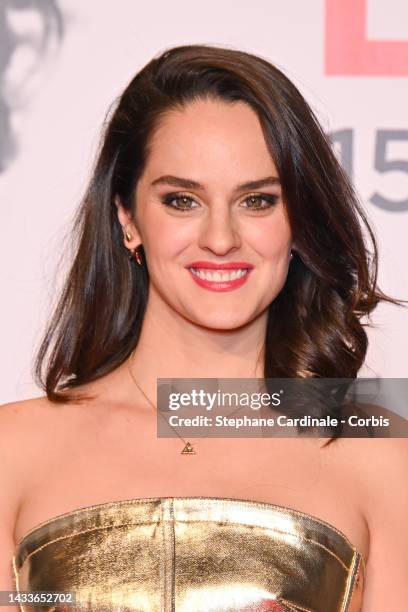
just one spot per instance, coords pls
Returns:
(191, 554)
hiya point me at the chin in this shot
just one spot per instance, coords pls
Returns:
(222, 323)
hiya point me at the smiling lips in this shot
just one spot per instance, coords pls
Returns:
(220, 277)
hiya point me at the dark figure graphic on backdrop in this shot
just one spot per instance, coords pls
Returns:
(10, 43)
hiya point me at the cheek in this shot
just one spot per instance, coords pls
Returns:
(165, 250)
(165, 237)
(272, 241)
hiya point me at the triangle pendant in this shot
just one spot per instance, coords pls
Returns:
(188, 450)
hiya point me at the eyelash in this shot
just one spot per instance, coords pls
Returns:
(270, 198)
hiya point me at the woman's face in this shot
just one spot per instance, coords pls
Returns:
(196, 212)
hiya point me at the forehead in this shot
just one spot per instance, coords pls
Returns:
(210, 137)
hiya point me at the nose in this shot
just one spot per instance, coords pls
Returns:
(219, 231)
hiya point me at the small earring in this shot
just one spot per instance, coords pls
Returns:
(127, 235)
(291, 254)
(138, 256)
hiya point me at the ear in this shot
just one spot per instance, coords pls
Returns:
(128, 226)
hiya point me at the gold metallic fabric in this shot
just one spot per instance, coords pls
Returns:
(191, 554)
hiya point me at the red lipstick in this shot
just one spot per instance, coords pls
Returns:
(224, 277)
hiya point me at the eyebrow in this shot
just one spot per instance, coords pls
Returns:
(177, 181)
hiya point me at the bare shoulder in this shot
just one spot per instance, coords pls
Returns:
(16, 419)
(33, 431)
(376, 463)
(382, 468)
(36, 415)
(375, 473)
(18, 423)
(16, 414)
(25, 426)
(30, 428)
(378, 456)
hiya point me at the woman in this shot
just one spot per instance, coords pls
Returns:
(211, 160)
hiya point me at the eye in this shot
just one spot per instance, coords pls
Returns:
(254, 201)
(182, 201)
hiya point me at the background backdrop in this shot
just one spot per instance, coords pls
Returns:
(62, 64)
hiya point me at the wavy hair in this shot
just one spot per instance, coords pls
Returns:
(314, 324)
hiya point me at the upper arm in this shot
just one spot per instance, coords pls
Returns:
(386, 501)
(10, 489)
(7, 582)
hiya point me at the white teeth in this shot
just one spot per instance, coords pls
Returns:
(219, 275)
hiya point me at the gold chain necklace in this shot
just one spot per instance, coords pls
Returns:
(188, 448)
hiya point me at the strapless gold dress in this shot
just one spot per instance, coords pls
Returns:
(191, 554)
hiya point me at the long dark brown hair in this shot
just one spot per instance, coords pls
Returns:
(314, 324)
